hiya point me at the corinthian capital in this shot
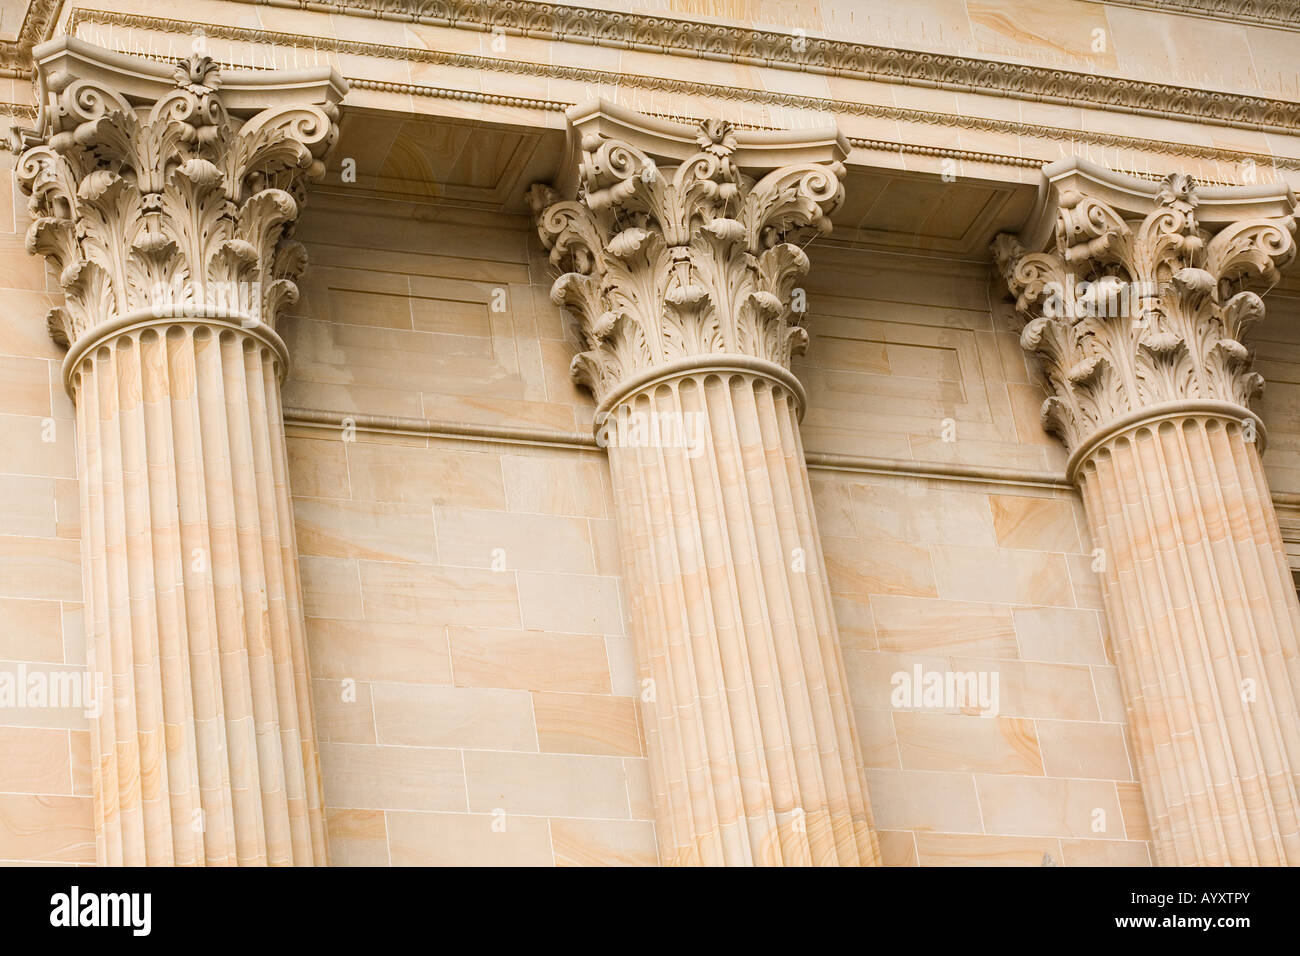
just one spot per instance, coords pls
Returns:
(682, 245)
(1143, 295)
(171, 190)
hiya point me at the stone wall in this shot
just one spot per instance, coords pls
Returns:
(45, 789)
(474, 684)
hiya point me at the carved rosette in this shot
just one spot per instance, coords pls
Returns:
(1128, 312)
(177, 207)
(664, 265)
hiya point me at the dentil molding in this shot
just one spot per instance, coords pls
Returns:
(812, 54)
(682, 246)
(669, 85)
(1138, 296)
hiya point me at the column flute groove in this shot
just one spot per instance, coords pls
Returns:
(1138, 310)
(682, 279)
(168, 217)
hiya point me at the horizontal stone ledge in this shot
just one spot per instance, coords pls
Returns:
(396, 425)
(523, 435)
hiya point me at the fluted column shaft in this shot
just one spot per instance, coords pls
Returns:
(753, 751)
(684, 281)
(1139, 307)
(168, 219)
(204, 750)
(1203, 615)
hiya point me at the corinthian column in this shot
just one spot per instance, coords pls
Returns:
(164, 198)
(682, 279)
(1138, 308)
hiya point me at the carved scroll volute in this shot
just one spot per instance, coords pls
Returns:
(173, 206)
(664, 264)
(1132, 309)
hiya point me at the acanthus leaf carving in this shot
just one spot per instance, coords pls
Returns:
(175, 207)
(1131, 309)
(698, 259)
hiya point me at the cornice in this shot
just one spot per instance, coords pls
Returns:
(16, 55)
(812, 54)
(1268, 13)
(667, 85)
(560, 106)
(817, 55)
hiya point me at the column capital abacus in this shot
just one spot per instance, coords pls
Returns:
(680, 247)
(1138, 295)
(160, 190)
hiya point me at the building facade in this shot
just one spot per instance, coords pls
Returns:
(682, 433)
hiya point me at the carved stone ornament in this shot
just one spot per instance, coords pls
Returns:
(1142, 296)
(665, 264)
(154, 192)
(746, 45)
